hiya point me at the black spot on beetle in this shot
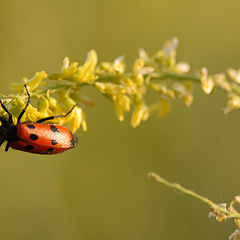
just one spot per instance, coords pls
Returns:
(54, 129)
(54, 142)
(29, 147)
(50, 150)
(33, 136)
(31, 126)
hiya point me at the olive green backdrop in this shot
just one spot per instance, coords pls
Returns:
(100, 190)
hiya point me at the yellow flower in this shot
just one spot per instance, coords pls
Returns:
(143, 55)
(74, 119)
(234, 75)
(53, 104)
(8, 103)
(121, 105)
(31, 114)
(162, 108)
(86, 73)
(170, 47)
(115, 68)
(183, 91)
(43, 106)
(17, 87)
(233, 102)
(207, 82)
(137, 67)
(168, 53)
(221, 81)
(84, 122)
(110, 88)
(141, 113)
(163, 90)
(65, 99)
(130, 85)
(33, 83)
(118, 65)
(181, 67)
(68, 71)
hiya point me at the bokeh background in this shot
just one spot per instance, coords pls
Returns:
(100, 190)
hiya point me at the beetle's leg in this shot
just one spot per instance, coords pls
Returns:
(23, 111)
(10, 119)
(58, 116)
(1, 142)
(7, 146)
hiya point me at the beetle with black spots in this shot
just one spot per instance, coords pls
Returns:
(39, 137)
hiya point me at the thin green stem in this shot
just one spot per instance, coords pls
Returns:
(176, 77)
(195, 195)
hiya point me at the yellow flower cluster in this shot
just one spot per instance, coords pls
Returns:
(53, 99)
(128, 89)
(228, 82)
(55, 94)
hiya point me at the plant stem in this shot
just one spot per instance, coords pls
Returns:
(177, 77)
(191, 193)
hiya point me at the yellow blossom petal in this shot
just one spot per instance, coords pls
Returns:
(143, 54)
(84, 123)
(68, 71)
(170, 47)
(31, 115)
(66, 62)
(183, 92)
(119, 112)
(130, 85)
(86, 73)
(206, 82)
(140, 113)
(182, 67)
(121, 105)
(118, 65)
(43, 106)
(53, 104)
(137, 67)
(168, 53)
(139, 79)
(36, 80)
(233, 102)
(221, 81)
(163, 90)
(74, 119)
(234, 75)
(165, 108)
(110, 88)
(17, 87)
(65, 99)
(162, 108)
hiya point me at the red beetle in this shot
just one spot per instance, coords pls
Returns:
(39, 137)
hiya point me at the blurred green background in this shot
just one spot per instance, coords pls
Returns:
(100, 190)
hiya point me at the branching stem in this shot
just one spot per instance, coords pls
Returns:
(191, 193)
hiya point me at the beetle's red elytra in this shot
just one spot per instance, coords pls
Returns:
(39, 137)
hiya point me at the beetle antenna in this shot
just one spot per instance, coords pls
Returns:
(58, 116)
(27, 104)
